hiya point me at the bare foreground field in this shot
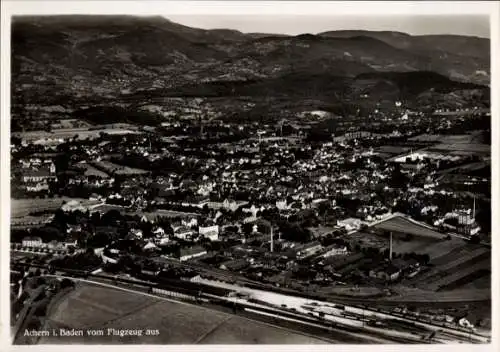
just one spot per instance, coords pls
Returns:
(94, 307)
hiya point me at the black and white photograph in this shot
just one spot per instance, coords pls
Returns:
(248, 179)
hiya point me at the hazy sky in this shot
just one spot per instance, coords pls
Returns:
(474, 25)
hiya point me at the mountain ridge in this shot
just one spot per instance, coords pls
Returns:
(92, 56)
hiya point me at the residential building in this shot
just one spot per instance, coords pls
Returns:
(336, 251)
(38, 175)
(235, 265)
(211, 232)
(350, 224)
(387, 273)
(193, 252)
(183, 233)
(308, 249)
(32, 241)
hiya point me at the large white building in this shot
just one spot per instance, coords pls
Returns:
(350, 224)
(211, 232)
(32, 242)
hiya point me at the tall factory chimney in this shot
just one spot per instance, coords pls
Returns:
(272, 239)
(474, 208)
(390, 246)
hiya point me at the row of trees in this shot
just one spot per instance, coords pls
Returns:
(81, 261)
(46, 233)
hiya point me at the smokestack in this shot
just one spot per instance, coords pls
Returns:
(200, 122)
(390, 247)
(474, 208)
(272, 240)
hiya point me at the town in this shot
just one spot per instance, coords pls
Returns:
(361, 214)
(178, 185)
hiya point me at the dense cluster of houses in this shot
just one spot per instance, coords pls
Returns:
(36, 174)
(224, 192)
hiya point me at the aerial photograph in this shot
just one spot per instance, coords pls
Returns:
(250, 179)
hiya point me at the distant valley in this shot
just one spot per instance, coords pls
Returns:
(74, 60)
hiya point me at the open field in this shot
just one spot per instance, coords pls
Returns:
(70, 124)
(29, 221)
(466, 251)
(64, 133)
(94, 307)
(438, 138)
(92, 171)
(401, 225)
(166, 214)
(442, 270)
(481, 268)
(452, 270)
(23, 207)
(112, 168)
(463, 147)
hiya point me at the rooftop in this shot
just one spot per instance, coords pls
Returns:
(402, 225)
